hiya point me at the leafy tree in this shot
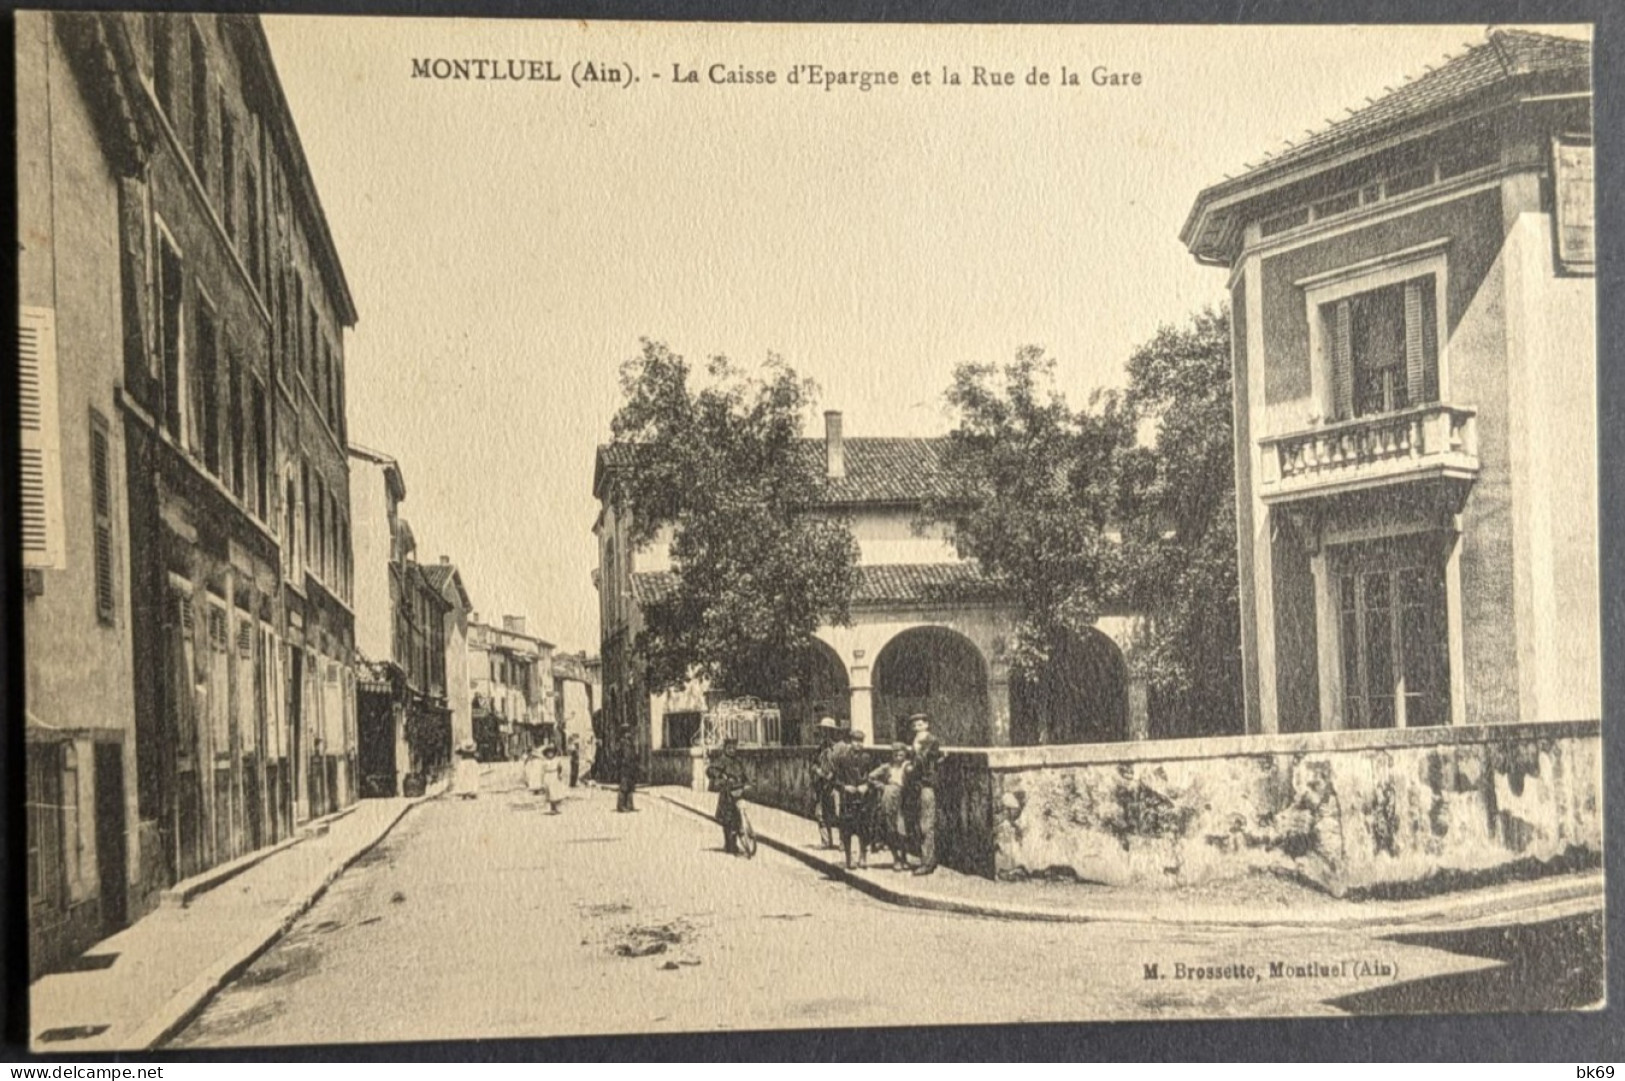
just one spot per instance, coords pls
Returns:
(1071, 515)
(721, 466)
(1032, 490)
(1180, 526)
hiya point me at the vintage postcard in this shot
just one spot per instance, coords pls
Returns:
(548, 528)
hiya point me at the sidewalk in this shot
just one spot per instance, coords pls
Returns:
(135, 989)
(1256, 902)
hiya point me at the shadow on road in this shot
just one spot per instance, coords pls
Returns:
(1555, 965)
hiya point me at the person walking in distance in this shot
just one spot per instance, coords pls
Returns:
(823, 780)
(726, 774)
(626, 769)
(552, 777)
(891, 779)
(531, 770)
(927, 759)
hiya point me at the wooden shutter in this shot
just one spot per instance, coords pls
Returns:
(1342, 359)
(1415, 354)
(1576, 211)
(219, 637)
(41, 450)
(184, 613)
(101, 505)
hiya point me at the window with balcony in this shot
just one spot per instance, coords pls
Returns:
(1395, 643)
(1384, 348)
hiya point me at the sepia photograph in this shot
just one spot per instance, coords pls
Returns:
(538, 528)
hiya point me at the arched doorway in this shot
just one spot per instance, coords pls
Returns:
(818, 684)
(1079, 695)
(937, 671)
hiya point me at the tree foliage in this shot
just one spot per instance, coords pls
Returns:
(1032, 493)
(1073, 515)
(1180, 524)
(719, 465)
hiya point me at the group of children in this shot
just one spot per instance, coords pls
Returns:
(868, 806)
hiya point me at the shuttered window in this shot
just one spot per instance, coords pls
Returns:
(41, 457)
(101, 505)
(200, 108)
(171, 334)
(1384, 348)
(1576, 212)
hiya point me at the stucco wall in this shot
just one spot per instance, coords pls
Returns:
(1350, 812)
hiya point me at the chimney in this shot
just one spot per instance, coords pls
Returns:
(514, 624)
(445, 561)
(834, 446)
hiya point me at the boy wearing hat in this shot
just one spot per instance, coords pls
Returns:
(927, 756)
(823, 779)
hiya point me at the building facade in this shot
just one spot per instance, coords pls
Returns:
(406, 638)
(195, 336)
(927, 633)
(86, 866)
(444, 579)
(1414, 317)
(511, 676)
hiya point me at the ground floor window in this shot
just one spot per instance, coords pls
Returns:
(52, 812)
(1395, 643)
(681, 729)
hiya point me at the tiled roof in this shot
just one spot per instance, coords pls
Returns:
(1506, 54)
(881, 470)
(1505, 61)
(878, 470)
(922, 583)
(439, 574)
(649, 587)
(890, 583)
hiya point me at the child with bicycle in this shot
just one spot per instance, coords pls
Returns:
(726, 775)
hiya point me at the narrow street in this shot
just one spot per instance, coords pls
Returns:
(490, 918)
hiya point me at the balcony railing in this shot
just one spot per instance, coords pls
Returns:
(1409, 444)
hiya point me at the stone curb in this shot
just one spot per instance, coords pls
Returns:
(186, 1003)
(1539, 895)
(181, 894)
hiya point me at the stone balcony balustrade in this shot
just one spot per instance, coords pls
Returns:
(1417, 443)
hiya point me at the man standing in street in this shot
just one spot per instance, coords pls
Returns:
(823, 780)
(574, 746)
(626, 772)
(927, 758)
(726, 773)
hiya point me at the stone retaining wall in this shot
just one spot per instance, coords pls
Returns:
(1378, 813)
(1354, 813)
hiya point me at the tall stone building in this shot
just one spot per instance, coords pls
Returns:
(182, 293)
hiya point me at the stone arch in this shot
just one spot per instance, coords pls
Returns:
(1079, 695)
(937, 671)
(818, 684)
